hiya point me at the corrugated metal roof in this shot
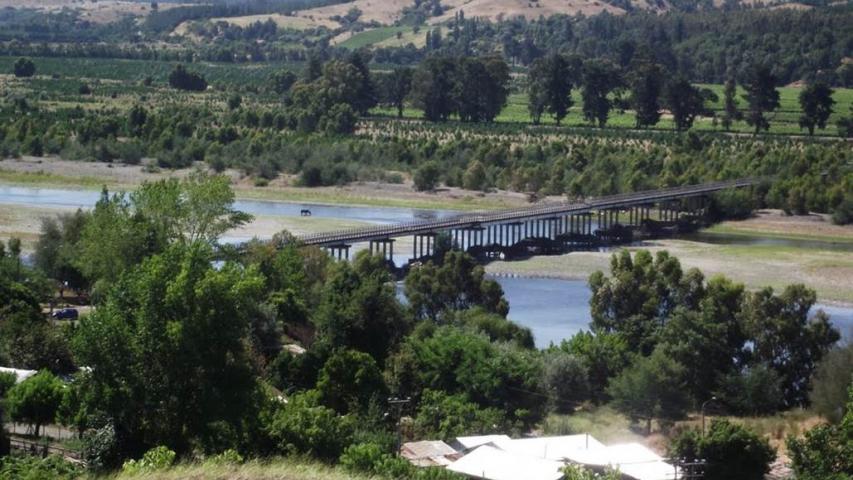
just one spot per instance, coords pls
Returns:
(429, 453)
(470, 443)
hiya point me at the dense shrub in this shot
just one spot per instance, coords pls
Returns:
(36, 468)
(304, 426)
(730, 451)
(158, 458)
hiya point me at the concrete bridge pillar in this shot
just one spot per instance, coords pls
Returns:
(424, 244)
(383, 246)
(339, 252)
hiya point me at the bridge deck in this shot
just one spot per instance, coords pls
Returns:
(363, 234)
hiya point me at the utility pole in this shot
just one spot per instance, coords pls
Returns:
(398, 403)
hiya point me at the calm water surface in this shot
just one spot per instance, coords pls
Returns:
(557, 309)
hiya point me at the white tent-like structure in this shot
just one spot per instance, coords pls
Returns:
(493, 463)
(20, 375)
(497, 457)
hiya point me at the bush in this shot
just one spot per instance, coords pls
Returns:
(826, 453)
(731, 452)
(36, 468)
(843, 213)
(426, 177)
(832, 379)
(24, 67)
(446, 417)
(7, 381)
(349, 380)
(566, 379)
(100, 448)
(158, 458)
(303, 426)
(228, 457)
(755, 391)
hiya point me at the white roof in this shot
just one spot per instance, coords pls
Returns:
(631, 459)
(21, 374)
(492, 463)
(467, 443)
(551, 448)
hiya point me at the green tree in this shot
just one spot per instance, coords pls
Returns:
(456, 360)
(550, 86)
(365, 96)
(685, 102)
(168, 355)
(786, 338)
(35, 400)
(599, 79)
(646, 84)
(304, 426)
(826, 452)
(709, 340)
(426, 176)
(458, 283)
(830, 383)
(432, 88)
(395, 88)
(282, 80)
(761, 97)
(639, 296)
(731, 113)
(182, 79)
(357, 301)
(604, 356)
(349, 381)
(650, 388)
(446, 417)
(730, 451)
(475, 177)
(816, 104)
(537, 89)
(566, 378)
(24, 67)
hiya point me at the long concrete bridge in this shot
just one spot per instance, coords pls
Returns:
(548, 225)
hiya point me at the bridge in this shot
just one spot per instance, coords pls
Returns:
(548, 226)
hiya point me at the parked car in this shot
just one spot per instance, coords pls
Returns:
(66, 314)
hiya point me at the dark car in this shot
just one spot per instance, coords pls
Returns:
(66, 314)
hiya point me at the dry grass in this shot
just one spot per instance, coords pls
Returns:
(829, 272)
(505, 9)
(276, 469)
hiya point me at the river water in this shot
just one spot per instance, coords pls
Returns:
(553, 309)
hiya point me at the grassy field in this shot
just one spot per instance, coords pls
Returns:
(276, 469)
(373, 36)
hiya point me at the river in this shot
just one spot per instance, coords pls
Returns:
(553, 309)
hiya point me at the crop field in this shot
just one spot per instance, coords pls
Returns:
(374, 36)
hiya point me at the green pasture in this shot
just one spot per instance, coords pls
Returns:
(373, 36)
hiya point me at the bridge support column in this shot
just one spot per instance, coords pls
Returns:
(423, 244)
(385, 246)
(339, 252)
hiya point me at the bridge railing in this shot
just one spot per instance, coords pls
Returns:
(468, 220)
